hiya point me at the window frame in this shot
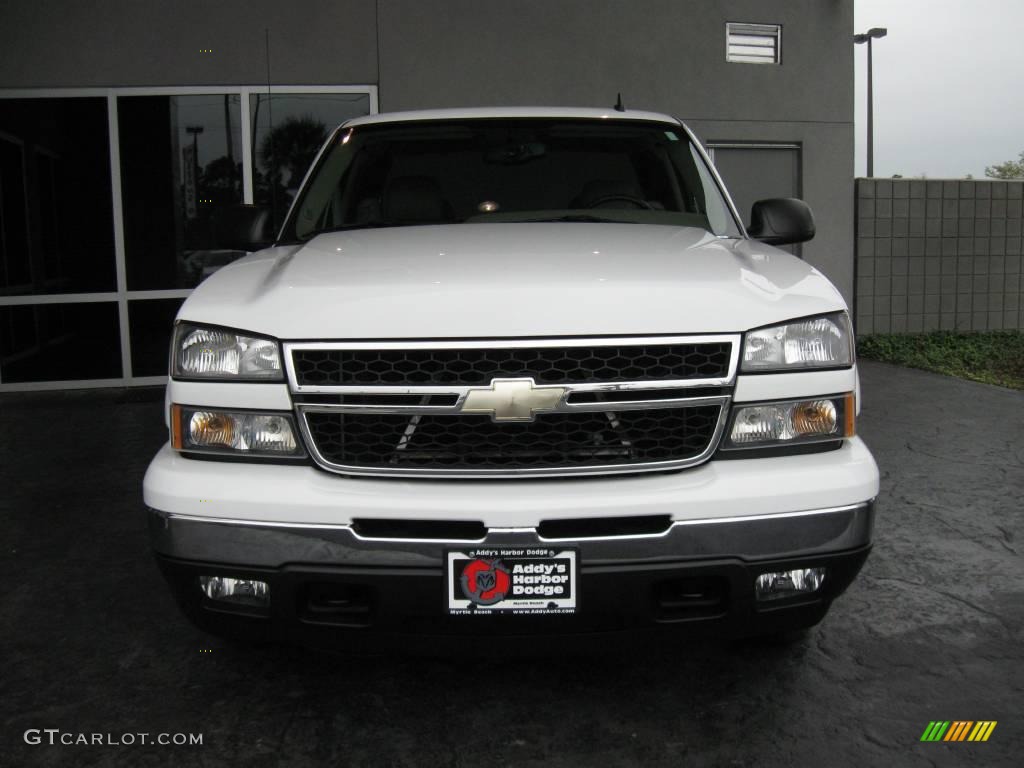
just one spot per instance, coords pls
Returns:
(122, 295)
(287, 236)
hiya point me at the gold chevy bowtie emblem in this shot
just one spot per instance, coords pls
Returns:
(512, 399)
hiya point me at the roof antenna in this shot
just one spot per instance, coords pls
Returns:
(618, 104)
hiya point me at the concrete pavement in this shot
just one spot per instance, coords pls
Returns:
(932, 629)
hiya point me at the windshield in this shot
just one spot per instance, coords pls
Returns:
(505, 170)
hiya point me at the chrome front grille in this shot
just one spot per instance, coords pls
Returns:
(512, 408)
(577, 362)
(554, 441)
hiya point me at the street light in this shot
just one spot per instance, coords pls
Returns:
(867, 37)
(194, 131)
(193, 204)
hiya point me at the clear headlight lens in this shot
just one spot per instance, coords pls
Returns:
(818, 342)
(760, 425)
(250, 434)
(214, 353)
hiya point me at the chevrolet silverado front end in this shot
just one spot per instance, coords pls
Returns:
(513, 372)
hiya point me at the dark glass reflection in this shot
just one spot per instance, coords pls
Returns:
(59, 342)
(56, 213)
(151, 321)
(180, 164)
(288, 131)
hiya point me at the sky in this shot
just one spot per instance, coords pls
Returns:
(948, 82)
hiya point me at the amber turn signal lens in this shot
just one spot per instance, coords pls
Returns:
(850, 412)
(213, 430)
(793, 421)
(817, 417)
(243, 433)
(176, 427)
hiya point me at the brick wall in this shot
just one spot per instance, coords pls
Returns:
(938, 254)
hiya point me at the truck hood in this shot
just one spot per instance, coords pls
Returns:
(511, 280)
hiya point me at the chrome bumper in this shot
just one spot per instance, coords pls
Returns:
(272, 545)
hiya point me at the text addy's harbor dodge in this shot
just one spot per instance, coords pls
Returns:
(512, 372)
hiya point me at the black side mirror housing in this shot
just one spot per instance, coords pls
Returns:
(781, 221)
(242, 228)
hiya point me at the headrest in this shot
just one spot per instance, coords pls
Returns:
(414, 200)
(601, 188)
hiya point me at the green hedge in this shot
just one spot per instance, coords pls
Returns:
(993, 357)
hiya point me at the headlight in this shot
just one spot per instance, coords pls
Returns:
(210, 430)
(818, 342)
(763, 425)
(214, 353)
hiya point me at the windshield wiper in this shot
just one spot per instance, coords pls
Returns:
(347, 227)
(572, 217)
(583, 217)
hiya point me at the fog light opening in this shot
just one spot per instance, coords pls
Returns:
(225, 589)
(779, 584)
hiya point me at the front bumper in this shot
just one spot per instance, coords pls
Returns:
(331, 582)
(726, 523)
(376, 608)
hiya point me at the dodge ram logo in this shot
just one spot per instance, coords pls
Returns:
(512, 399)
(485, 582)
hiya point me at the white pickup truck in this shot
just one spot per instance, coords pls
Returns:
(512, 372)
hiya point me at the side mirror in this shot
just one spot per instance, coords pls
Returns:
(242, 228)
(781, 221)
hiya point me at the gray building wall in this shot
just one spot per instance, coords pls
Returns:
(664, 55)
(938, 255)
(71, 43)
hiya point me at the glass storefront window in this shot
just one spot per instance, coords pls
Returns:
(59, 342)
(56, 213)
(181, 161)
(288, 130)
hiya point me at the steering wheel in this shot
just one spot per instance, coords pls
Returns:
(639, 203)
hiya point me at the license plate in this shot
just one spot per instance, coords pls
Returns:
(532, 580)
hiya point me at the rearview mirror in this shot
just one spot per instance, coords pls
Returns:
(781, 221)
(242, 228)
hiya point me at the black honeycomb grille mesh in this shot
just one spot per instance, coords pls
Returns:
(554, 440)
(547, 365)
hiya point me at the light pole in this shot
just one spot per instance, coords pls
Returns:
(867, 37)
(194, 131)
(192, 195)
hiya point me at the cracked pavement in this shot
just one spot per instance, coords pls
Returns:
(932, 628)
